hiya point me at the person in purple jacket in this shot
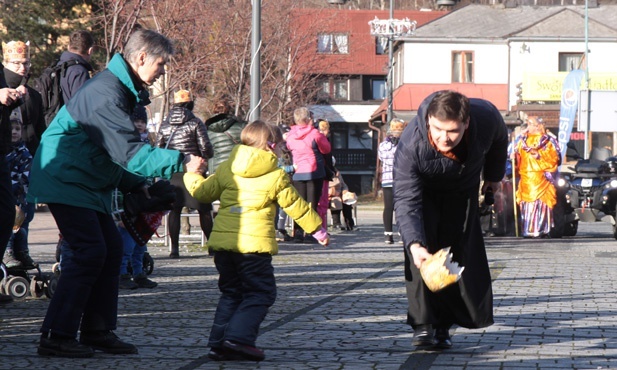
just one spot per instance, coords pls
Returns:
(307, 146)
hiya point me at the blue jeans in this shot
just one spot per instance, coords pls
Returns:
(30, 208)
(281, 219)
(19, 242)
(248, 289)
(133, 254)
(87, 291)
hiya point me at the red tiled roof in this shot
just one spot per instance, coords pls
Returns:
(408, 97)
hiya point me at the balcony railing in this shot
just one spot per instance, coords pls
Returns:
(355, 159)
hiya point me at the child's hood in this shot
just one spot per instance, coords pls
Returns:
(250, 162)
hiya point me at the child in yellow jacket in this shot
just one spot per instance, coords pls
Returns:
(249, 185)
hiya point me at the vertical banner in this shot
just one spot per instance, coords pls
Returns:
(569, 106)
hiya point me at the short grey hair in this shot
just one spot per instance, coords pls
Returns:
(302, 115)
(152, 43)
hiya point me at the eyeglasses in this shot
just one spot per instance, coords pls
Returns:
(19, 64)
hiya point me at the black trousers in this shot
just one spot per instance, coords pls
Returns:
(248, 290)
(87, 293)
(310, 191)
(388, 209)
(184, 199)
(347, 215)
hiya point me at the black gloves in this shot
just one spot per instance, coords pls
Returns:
(162, 197)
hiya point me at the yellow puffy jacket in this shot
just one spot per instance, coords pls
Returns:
(249, 184)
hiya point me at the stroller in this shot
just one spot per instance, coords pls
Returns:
(20, 281)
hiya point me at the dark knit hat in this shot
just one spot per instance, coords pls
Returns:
(139, 113)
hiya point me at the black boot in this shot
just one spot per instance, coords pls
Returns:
(63, 347)
(25, 259)
(106, 341)
(443, 340)
(423, 335)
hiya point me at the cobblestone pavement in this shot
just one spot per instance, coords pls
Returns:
(343, 307)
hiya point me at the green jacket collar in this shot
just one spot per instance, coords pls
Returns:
(122, 70)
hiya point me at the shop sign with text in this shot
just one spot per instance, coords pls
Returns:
(547, 86)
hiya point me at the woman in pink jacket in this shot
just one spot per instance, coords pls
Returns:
(307, 146)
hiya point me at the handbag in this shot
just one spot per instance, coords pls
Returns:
(143, 226)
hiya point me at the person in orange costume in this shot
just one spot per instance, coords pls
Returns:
(537, 159)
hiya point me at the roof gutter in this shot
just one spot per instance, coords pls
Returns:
(562, 38)
(468, 40)
(457, 40)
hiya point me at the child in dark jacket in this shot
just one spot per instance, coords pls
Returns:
(249, 185)
(17, 254)
(285, 161)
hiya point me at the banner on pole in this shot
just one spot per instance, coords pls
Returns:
(568, 107)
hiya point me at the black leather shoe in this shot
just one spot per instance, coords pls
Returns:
(64, 348)
(107, 342)
(219, 354)
(423, 336)
(244, 351)
(442, 338)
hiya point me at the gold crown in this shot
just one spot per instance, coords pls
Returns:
(182, 96)
(16, 50)
(397, 126)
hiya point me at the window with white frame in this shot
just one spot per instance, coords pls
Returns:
(340, 90)
(462, 66)
(336, 89)
(570, 61)
(332, 43)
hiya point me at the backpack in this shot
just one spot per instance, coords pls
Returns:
(48, 85)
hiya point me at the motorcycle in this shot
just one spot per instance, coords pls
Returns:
(588, 194)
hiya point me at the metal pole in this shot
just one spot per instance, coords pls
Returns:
(390, 69)
(514, 202)
(588, 126)
(255, 112)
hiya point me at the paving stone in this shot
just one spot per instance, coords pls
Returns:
(343, 307)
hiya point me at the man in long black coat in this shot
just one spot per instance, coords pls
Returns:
(439, 162)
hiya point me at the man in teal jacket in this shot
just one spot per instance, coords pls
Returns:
(91, 148)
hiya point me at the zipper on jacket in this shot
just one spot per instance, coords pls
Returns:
(461, 170)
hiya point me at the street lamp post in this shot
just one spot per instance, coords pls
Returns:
(391, 29)
(255, 111)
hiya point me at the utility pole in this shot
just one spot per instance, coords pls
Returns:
(255, 112)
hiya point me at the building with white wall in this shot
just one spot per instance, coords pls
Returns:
(493, 51)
